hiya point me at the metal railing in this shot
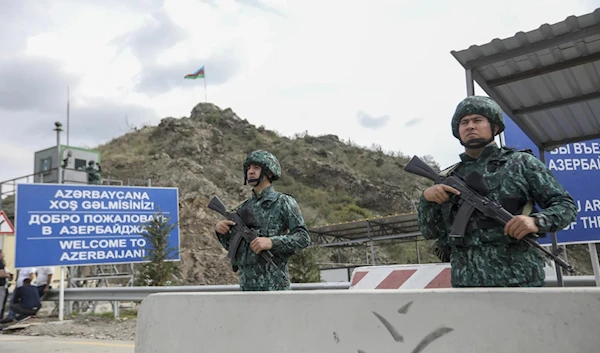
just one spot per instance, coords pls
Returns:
(137, 294)
(572, 281)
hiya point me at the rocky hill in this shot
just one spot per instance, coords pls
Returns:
(202, 155)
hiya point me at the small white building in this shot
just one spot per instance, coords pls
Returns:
(74, 171)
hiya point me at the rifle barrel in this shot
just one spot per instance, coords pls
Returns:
(555, 257)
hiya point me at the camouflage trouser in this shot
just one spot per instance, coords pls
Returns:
(261, 277)
(515, 265)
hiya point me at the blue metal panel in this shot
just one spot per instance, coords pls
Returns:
(577, 167)
(66, 225)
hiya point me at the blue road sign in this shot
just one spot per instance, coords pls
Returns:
(67, 225)
(577, 167)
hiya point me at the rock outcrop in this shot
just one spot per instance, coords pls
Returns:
(202, 155)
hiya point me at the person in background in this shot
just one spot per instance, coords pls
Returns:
(44, 280)
(5, 279)
(26, 300)
(23, 274)
(94, 175)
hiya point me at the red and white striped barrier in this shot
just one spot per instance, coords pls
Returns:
(401, 277)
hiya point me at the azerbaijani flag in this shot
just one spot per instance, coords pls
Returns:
(197, 74)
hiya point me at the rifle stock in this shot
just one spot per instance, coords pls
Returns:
(418, 167)
(215, 204)
(471, 200)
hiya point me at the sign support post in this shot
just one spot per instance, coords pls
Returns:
(595, 262)
(61, 295)
(557, 268)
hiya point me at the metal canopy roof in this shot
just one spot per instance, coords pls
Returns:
(547, 80)
(399, 226)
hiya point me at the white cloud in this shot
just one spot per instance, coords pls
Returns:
(289, 65)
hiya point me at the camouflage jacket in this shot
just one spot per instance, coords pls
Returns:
(277, 216)
(486, 256)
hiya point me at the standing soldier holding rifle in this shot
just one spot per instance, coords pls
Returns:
(272, 224)
(491, 254)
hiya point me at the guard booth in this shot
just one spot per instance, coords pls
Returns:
(46, 164)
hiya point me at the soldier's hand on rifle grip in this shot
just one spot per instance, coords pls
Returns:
(261, 243)
(439, 193)
(520, 226)
(223, 226)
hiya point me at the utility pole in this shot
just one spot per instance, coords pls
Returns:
(68, 117)
(61, 293)
(58, 129)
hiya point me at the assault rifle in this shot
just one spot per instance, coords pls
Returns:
(240, 231)
(472, 191)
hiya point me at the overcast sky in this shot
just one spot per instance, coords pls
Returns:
(370, 71)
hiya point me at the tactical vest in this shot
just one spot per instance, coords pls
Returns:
(442, 251)
(528, 208)
(259, 227)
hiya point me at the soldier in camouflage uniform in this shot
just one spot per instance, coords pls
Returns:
(93, 173)
(275, 214)
(491, 255)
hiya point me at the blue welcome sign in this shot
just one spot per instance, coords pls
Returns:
(577, 167)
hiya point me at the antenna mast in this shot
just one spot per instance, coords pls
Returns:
(68, 118)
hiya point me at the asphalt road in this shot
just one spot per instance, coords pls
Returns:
(37, 344)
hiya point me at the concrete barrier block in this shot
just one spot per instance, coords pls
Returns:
(549, 320)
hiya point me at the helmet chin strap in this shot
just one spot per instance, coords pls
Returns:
(256, 180)
(475, 144)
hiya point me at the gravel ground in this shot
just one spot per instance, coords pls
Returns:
(80, 326)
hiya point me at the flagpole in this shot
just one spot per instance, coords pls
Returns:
(195, 76)
(205, 99)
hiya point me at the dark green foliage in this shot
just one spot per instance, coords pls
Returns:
(159, 271)
(303, 266)
(8, 205)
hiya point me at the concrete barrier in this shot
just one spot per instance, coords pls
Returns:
(549, 320)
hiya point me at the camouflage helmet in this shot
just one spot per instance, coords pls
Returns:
(478, 105)
(267, 161)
